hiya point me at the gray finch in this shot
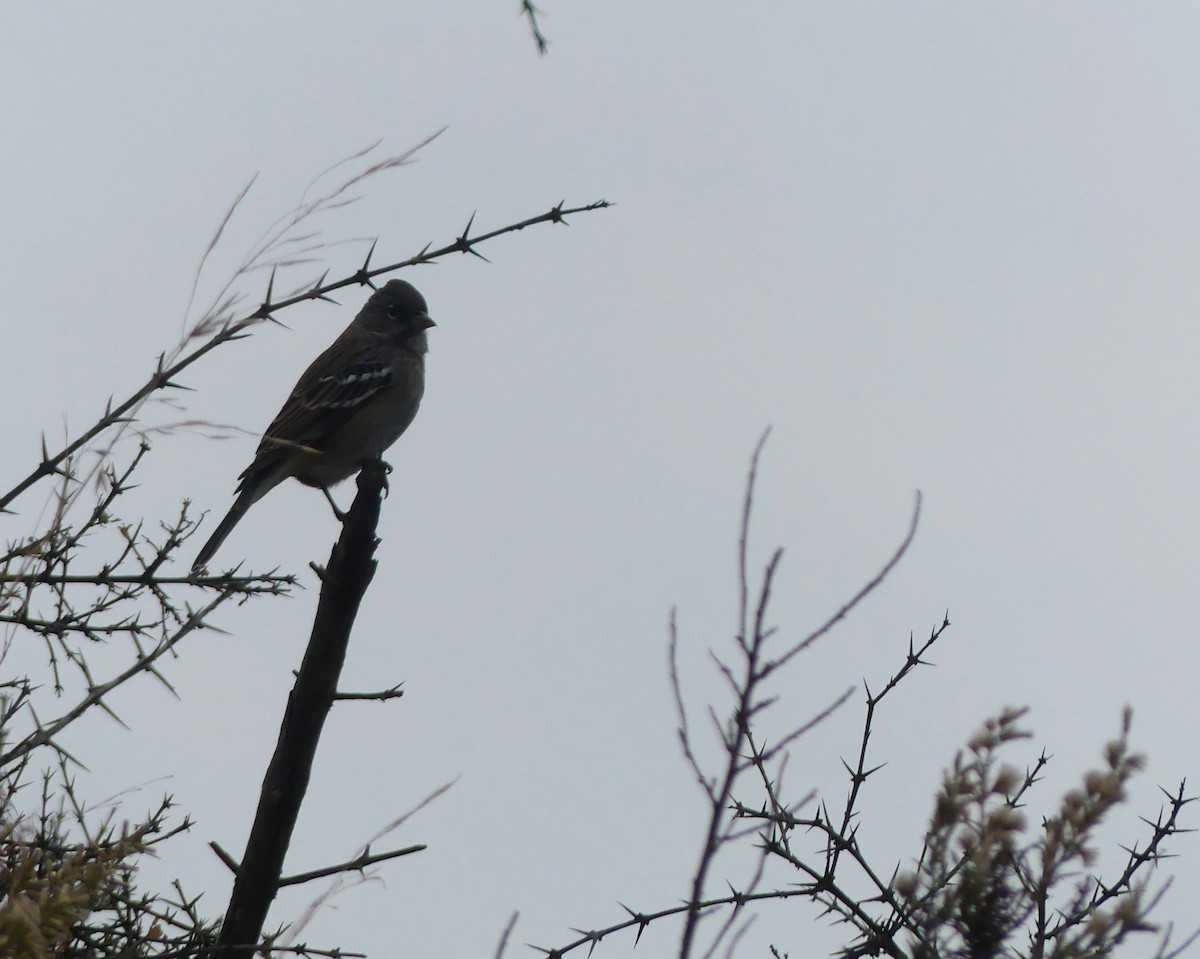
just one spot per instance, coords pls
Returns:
(350, 405)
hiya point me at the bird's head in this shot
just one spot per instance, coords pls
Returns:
(399, 311)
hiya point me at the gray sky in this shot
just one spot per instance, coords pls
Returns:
(945, 247)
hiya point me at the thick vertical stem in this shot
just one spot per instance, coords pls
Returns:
(345, 581)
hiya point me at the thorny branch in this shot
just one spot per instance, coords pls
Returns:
(45, 735)
(746, 679)
(936, 911)
(87, 586)
(164, 376)
(46, 564)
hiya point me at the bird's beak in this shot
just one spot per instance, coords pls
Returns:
(422, 321)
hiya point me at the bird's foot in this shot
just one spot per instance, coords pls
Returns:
(387, 471)
(341, 516)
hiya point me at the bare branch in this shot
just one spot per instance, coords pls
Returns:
(351, 568)
(358, 863)
(531, 14)
(395, 692)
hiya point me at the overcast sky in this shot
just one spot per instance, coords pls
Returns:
(937, 247)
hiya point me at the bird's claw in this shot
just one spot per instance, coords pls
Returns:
(387, 471)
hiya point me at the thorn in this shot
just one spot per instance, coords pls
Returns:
(363, 274)
(316, 295)
(463, 243)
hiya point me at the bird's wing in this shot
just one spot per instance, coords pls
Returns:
(326, 396)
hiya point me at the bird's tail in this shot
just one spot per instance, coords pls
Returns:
(232, 518)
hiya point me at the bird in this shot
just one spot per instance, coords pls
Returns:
(352, 403)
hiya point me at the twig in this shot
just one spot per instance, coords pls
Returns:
(358, 863)
(531, 14)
